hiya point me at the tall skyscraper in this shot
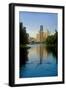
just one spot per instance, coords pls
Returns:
(41, 28)
(42, 35)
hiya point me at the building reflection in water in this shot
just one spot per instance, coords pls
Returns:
(42, 52)
(39, 60)
(36, 54)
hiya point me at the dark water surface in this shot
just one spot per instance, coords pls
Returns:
(38, 61)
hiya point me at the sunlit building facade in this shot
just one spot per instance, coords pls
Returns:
(42, 36)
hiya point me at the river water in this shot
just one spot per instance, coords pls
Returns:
(38, 61)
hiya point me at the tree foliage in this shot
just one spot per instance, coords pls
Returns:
(23, 35)
(52, 40)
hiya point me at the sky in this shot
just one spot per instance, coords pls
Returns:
(33, 20)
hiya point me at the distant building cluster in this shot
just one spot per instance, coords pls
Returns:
(42, 36)
(31, 39)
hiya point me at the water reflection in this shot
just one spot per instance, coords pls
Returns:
(23, 56)
(38, 61)
(42, 52)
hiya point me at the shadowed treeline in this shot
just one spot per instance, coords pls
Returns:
(23, 41)
(53, 39)
(23, 35)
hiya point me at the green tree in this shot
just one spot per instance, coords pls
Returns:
(23, 35)
(52, 40)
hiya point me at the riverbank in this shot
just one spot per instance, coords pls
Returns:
(25, 46)
(28, 45)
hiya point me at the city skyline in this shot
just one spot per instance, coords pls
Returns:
(33, 20)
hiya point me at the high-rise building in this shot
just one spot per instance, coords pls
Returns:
(41, 28)
(41, 33)
(41, 36)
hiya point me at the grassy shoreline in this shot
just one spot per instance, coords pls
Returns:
(27, 47)
(24, 46)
